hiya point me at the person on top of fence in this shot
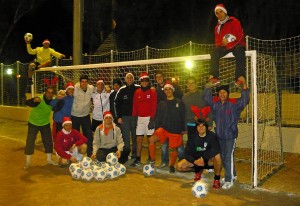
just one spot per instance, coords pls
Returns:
(70, 144)
(123, 106)
(39, 121)
(169, 125)
(202, 151)
(43, 57)
(226, 116)
(229, 37)
(100, 98)
(161, 96)
(144, 110)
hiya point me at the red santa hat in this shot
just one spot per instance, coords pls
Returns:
(143, 75)
(46, 41)
(69, 85)
(222, 7)
(107, 114)
(169, 85)
(66, 120)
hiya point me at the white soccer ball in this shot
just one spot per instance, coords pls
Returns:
(76, 173)
(148, 170)
(87, 174)
(86, 162)
(99, 173)
(199, 189)
(112, 172)
(230, 37)
(28, 37)
(112, 158)
(121, 168)
(73, 166)
(104, 165)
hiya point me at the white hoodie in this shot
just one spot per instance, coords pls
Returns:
(82, 101)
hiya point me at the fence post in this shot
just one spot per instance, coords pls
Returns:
(147, 57)
(2, 84)
(18, 83)
(191, 48)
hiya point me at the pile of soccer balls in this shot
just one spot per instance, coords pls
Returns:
(87, 169)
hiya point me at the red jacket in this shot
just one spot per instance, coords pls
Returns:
(231, 26)
(144, 103)
(64, 142)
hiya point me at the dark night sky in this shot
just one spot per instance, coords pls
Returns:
(159, 24)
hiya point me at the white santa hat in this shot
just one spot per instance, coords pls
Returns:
(69, 85)
(169, 85)
(66, 120)
(100, 81)
(46, 41)
(107, 114)
(222, 7)
(130, 75)
(144, 75)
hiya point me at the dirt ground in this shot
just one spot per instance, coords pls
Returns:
(44, 184)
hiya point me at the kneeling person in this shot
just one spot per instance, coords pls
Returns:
(107, 139)
(201, 152)
(170, 124)
(70, 144)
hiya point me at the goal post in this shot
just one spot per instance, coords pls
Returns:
(259, 147)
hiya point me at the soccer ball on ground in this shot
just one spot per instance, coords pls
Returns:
(99, 173)
(73, 166)
(76, 173)
(86, 162)
(112, 172)
(112, 158)
(199, 189)
(28, 37)
(121, 168)
(87, 174)
(148, 169)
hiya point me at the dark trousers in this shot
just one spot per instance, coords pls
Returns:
(128, 129)
(240, 59)
(85, 123)
(95, 124)
(31, 136)
(103, 152)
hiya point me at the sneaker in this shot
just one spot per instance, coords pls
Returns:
(172, 169)
(135, 163)
(26, 166)
(216, 184)
(233, 179)
(210, 170)
(162, 165)
(227, 185)
(197, 176)
(151, 162)
(51, 162)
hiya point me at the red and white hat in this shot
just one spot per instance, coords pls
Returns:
(143, 75)
(222, 7)
(169, 85)
(66, 120)
(69, 85)
(107, 114)
(46, 41)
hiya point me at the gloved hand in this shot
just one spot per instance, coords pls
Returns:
(151, 124)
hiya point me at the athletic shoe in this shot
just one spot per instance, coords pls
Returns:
(151, 162)
(227, 185)
(136, 163)
(210, 170)
(26, 166)
(51, 162)
(216, 184)
(197, 176)
(162, 165)
(233, 179)
(172, 169)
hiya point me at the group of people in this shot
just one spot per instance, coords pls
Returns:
(163, 114)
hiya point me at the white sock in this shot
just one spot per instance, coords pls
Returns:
(27, 161)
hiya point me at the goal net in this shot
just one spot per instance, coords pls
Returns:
(259, 146)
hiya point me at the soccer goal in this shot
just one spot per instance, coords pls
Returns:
(259, 146)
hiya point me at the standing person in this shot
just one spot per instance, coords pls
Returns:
(62, 107)
(144, 109)
(202, 151)
(43, 57)
(116, 86)
(226, 116)
(194, 102)
(70, 144)
(101, 104)
(123, 105)
(170, 124)
(161, 96)
(39, 121)
(107, 139)
(229, 37)
(80, 113)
